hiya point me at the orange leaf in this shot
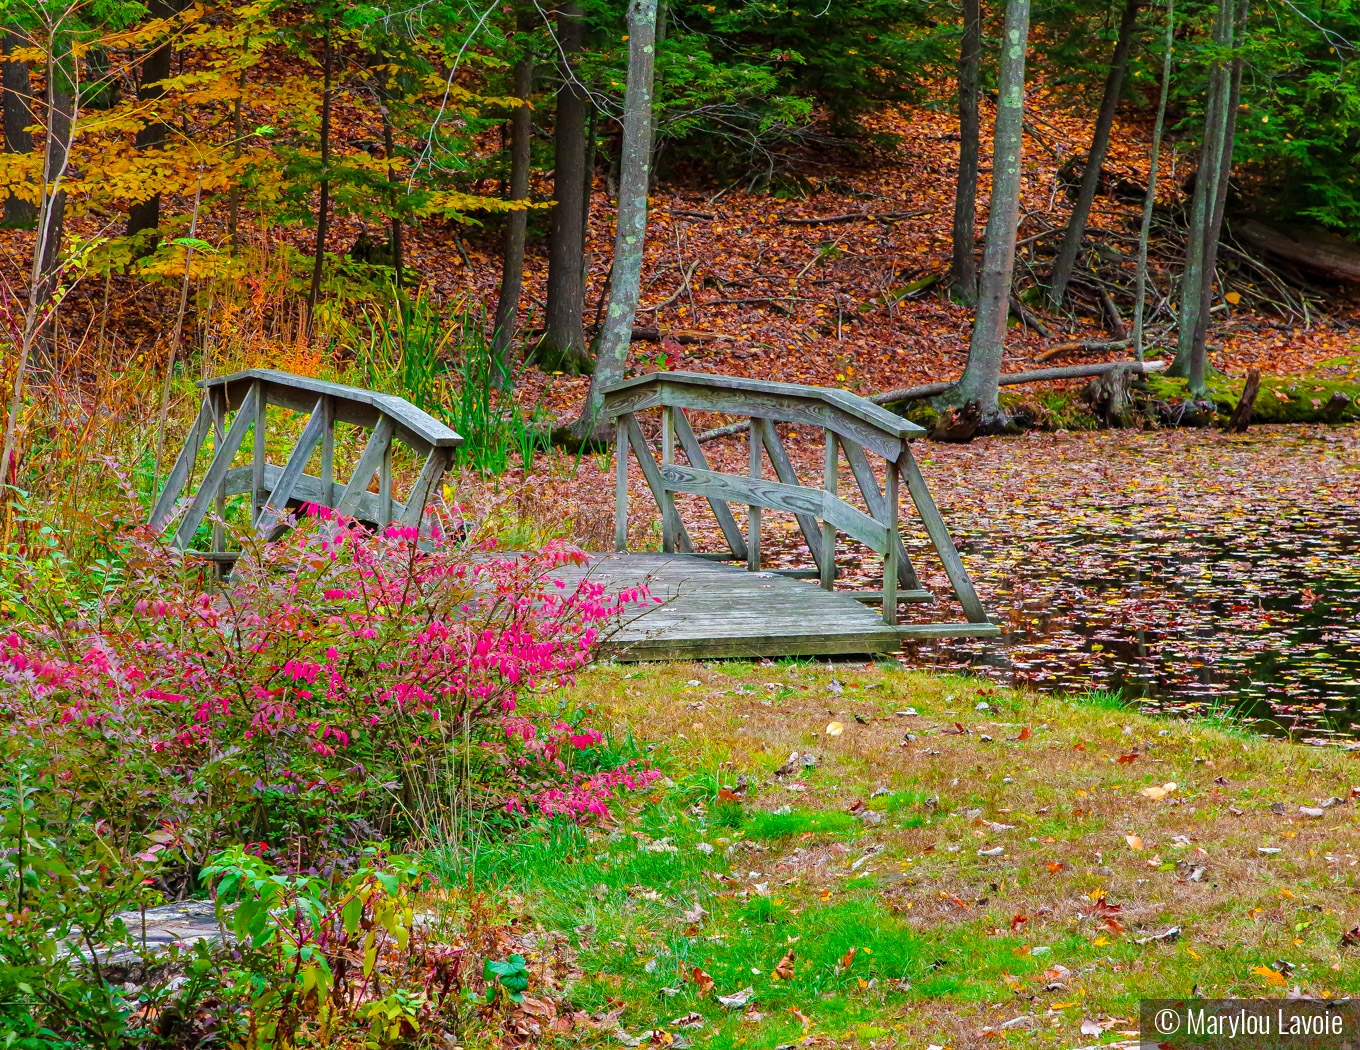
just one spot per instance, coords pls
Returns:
(1113, 925)
(1135, 843)
(1128, 759)
(1055, 866)
(703, 980)
(1025, 734)
(727, 795)
(1018, 921)
(848, 959)
(803, 1019)
(1273, 977)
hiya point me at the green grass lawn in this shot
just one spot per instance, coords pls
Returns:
(922, 885)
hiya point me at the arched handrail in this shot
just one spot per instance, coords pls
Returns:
(274, 489)
(853, 427)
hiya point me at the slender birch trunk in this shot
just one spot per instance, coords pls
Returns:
(979, 382)
(631, 229)
(1150, 201)
(1095, 157)
(62, 100)
(963, 269)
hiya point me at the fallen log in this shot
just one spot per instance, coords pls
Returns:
(1083, 345)
(1028, 318)
(1309, 249)
(680, 335)
(1037, 375)
(852, 216)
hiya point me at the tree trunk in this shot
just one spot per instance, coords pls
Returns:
(155, 68)
(1095, 157)
(1199, 349)
(631, 230)
(394, 194)
(52, 226)
(516, 223)
(563, 346)
(234, 194)
(980, 377)
(1150, 200)
(1203, 203)
(323, 207)
(19, 213)
(963, 270)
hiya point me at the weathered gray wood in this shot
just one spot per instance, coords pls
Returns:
(642, 449)
(210, 490)
(890, 554)
(792, 406)
(830, 460)
(873, 499)
(620, 485)
(944, 545)
(701, 390)
(712, 610)
(353, 404)
(184, 463)
(306, 489)
(266, 522)
(783, 468)
(258, 451)
(917, 596)
(694, 452)
(753, 508)
(328, 450)
(949, 630)
(385, 486)
(775, 495)
(669, 515)
(427, 482)
(220, 499)
(369, 460)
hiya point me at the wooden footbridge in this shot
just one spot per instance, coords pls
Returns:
(715, 604)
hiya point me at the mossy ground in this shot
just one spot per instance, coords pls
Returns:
(972, 898)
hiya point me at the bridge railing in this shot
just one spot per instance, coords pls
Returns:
(853, 428)
(246, 397)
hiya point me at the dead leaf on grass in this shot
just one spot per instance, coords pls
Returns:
(1135, 843)
(784, 971)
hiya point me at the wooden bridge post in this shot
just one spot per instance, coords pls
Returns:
(669, 515)
(753, 523)
(219, 537)
(328, 450)
(258, 451)
(830, 484)
(890, 485)
(621, 484)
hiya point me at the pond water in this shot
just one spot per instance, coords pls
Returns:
(1190, 570)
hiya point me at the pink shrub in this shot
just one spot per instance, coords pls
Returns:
(323, 680)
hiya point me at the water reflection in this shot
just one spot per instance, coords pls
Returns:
(1250, 607)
